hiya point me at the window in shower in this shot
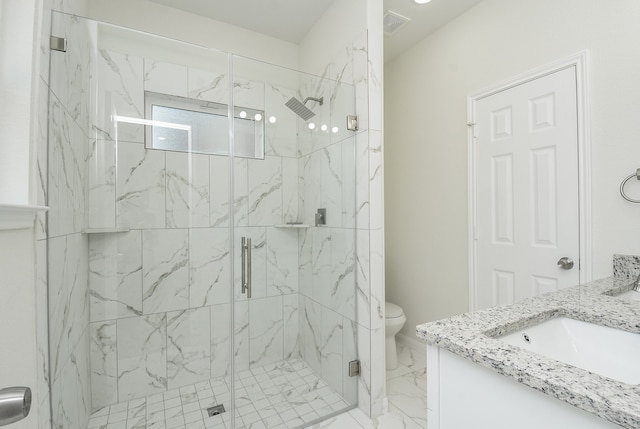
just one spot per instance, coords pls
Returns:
(199, 126)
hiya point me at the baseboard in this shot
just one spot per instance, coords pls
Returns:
(413, 343)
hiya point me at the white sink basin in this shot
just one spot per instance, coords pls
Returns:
(605, 351)
(631, 295)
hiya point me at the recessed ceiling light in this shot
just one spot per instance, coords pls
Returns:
(421, 1)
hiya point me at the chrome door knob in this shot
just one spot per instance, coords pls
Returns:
(565, 263)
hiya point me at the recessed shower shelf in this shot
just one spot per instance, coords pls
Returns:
(292, 225)
(104, 230)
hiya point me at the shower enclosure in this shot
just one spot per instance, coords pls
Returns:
(201, 236)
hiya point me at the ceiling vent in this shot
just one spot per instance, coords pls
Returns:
(393, 22)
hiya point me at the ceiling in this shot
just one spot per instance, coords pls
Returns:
(290, 20)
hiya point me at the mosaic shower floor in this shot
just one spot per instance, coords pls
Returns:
(282, 395)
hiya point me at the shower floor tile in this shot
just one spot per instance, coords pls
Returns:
(283, 395)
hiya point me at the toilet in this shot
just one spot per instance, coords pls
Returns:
(394, 321)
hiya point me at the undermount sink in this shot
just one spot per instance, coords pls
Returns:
(602, 350)
(630, 295)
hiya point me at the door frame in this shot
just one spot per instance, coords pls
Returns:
(580, 62)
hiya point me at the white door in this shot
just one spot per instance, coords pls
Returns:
(526, 190)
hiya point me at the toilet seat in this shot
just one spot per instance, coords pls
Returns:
(391, 311)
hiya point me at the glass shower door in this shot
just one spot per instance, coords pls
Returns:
(294, 321)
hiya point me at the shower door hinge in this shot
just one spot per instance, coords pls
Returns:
(58, 44)
(354, 368)
(352, 122)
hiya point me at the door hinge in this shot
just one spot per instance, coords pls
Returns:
(354, 368)
(58, 44)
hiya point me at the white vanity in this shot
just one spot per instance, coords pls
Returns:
(541, 375)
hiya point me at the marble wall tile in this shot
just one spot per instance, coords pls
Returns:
(291, 323)
(209, 267)
(321, 265)
(208, 85)
(363, 287)
(165, 78)
(188, 347)
(140, 189)
(281, 135)
(365, 357)
(42, 320)
(102, 185)
(221, 339)
(311, 331)
(375, 76)
(248, 93)
(41, 173)
(187, 190)
(282, 261)
(219, 167)
(363, 207)
(349, 353)
(310, 182)
(377, 371)
(290, 193)
(104, 363)
(265, 191)
(348, 177)
(241, 191)
(115, 275)
(119, 91)
(377, 278)
(331, 184)
(305, 266)
(142, 356)
(376, 181)
(360, 61)
(266, 338)
(241, 335)
(165, 270)
(342, 293)
(331, 353)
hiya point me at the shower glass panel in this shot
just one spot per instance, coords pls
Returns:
(295, 336)
(148, 319)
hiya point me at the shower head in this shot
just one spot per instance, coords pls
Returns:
(300, 109)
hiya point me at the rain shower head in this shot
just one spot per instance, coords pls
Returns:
(300, 109)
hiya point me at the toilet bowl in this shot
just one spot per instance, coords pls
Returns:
(394, 321)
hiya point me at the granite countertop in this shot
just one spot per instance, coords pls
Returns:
(469, 336)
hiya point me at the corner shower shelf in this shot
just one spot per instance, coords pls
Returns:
(104, 230)
(292, 225)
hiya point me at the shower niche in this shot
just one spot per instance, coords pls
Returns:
(181, 152)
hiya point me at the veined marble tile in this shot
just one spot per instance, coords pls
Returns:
(42, 318)
(241, 191)
(310, 171)
(342, 298)
(165, 78)
(221, 340)
(115, 275)
(331, 354)
(290, 319)
(241, 335)
(377, 371)
(258, 238)
(376, 281)
(187, 187)
(331, 185)
(376, 180)
(311, 331)
(290, 193)
(348, 188)
(362, 181)
(188, 347)
(219, 191)
(321, 265)
(142, 356)
(363, 288)
(265, 191)
(282, 261)
(120, 92)
(41, 174)
(375, 63)
(266, 338)
(209, 85)
(349, 353)
(140, 191)
(209, 267)
(364, 381)
(281, 135)
(404, 393)
(361, 80)
(102, 185)
(247, 93)
(165, 270)
(104, 363)
(305, 266)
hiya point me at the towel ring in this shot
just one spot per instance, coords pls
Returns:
(624, 182)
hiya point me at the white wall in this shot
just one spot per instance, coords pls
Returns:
(426, 150)
(159, 19)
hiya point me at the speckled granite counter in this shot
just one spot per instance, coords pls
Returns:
(470, 336)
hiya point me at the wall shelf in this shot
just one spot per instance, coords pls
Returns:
(292, 225)
(104, 230)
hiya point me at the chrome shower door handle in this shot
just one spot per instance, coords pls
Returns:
(565, 263)
(246, 266)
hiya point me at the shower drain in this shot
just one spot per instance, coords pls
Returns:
(215, 410)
